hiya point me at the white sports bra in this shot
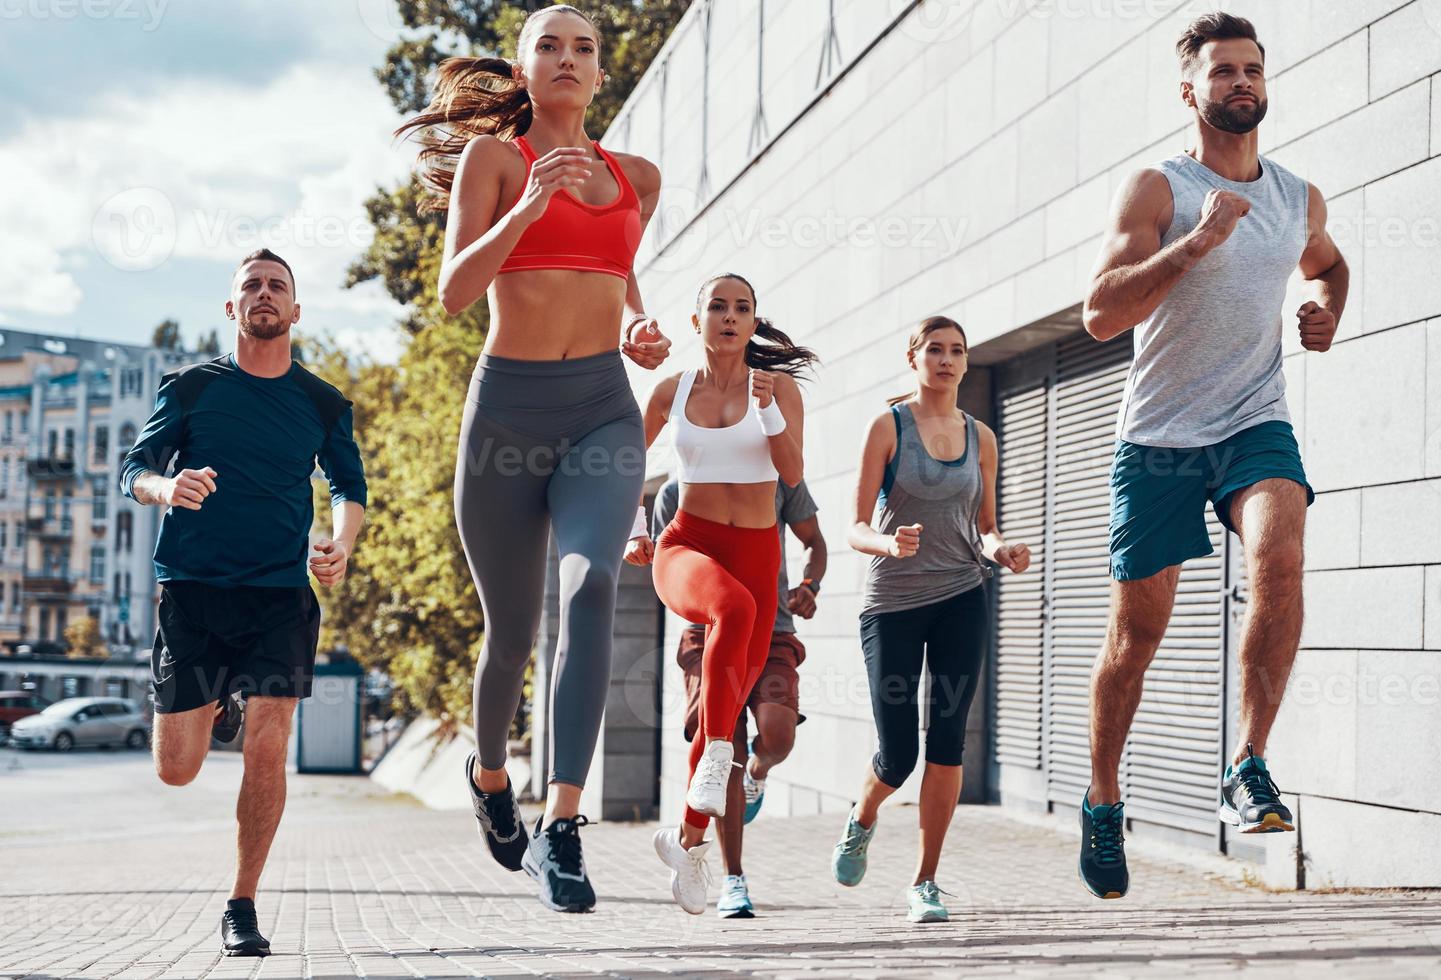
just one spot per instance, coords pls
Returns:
(738, 453)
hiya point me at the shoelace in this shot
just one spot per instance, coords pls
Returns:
(1107, 837)
(242, 920)
(502, 817)
(712, 776)
(564, 839)
(702, 869)
(932, 892)
(1259, 787)
(856, 840)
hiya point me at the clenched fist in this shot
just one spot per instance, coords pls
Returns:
(189, 488)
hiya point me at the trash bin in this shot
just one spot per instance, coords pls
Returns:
(327, 729)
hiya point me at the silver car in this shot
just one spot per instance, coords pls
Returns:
(83, 721)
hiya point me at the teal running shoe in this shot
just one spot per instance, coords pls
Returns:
(1102, 866)
(848, 861)
(755, 789)
(735, 899)
(1250, 801)
(923, 903)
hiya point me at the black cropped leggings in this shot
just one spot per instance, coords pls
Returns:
(948, 638)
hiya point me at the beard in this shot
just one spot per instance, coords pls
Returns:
(263, 331)
(1238, 119)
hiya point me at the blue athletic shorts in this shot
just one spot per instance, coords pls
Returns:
(1158, 495)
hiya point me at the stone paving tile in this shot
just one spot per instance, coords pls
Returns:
(366, 885)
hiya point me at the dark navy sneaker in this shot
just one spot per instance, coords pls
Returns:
(227, 723)
(501, 826)
(1250, 800)
(240, 931)
(554, 860)
(1103, 849)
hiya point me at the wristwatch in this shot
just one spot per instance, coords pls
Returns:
(812, 584)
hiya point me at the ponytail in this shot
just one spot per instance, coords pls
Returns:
(780, 353)
(473, 97)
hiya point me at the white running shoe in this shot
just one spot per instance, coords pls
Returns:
(707, 792)
(689, 874)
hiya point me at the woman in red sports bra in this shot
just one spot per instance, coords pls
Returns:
(545, 224)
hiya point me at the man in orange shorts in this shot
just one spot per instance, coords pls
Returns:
(774, 700)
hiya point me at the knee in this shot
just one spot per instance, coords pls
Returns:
(779, 738)
(1279, 571)
(736, 609)
(267, 747)
(1130, 645)
(176, 772)
(895, 761)
(589, 584)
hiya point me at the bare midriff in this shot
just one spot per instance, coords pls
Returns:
(554, 314)
(737, 504)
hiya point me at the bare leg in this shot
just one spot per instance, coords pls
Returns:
(1271, 519)
(262, 789)
(180, 743)
(1140, 610)
(940, 792)
(873, 794)
(775, 737)
(730, 828)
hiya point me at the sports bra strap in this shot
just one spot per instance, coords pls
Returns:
(525, 149)
(682, 395)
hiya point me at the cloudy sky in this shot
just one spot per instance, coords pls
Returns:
(145, 145)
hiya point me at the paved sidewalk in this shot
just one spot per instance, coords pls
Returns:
(105, 873)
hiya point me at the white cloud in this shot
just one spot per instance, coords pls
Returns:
(206, 170)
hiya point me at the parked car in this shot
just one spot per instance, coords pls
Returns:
(83, 721)
(15, 705)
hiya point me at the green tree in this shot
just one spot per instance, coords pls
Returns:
(408, 605)
(166, 335)
(209, 344)
(83, 639)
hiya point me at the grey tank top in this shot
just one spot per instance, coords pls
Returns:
(1208, 360)
(944, 497)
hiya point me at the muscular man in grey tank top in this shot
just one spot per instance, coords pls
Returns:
(1196, 257)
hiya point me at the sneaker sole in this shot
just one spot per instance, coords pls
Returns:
(735, 913)
(928, 917)
(717, 812)
(529, 868)
(1271, 823)
(674, 876)
(1103, 895)
(245, 952)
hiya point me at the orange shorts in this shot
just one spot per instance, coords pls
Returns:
(779, 682)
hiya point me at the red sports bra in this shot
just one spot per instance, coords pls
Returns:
(572, 234)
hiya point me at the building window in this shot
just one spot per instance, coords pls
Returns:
(44, 624)
(123, 529)
(9, 426)
(19, 536)
(65, 511)
(4, 473)
(50, 505)
(97, 566)
(4, 528)
(69, 443)
(102, 444)
(99, 499)
(61, 617)
(24, 423)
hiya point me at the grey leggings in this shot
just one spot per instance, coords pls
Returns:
(547, 444)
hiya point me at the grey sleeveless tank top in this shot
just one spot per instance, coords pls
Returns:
(1208, 360)
(944, 497)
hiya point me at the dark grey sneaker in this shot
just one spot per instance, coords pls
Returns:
(1250, 801)
(227, 723)
(501, 826)
(554, 860)
(240, 931)
(1103, 849)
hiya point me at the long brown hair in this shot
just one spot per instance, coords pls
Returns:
(473, 97)
(780, 353)
(929, 325)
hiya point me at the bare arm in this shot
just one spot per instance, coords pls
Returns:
(1133, 272)
(786, 447)
(1016, 557)
(879, 447)
(476, 245)
(800, 600)
(639, 549)
(331, 564)
(1325, 268)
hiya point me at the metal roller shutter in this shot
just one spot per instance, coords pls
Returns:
(1022, 422)
(1089, 379)
(1048, 642)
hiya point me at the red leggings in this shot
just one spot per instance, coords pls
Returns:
(725, 577)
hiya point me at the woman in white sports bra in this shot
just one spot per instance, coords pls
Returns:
(737, 423)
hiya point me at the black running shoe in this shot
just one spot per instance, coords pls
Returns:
(1103, 849)
(227, 724)
(554, 860)
(1250, 800)
(240, 932)
(499, 817)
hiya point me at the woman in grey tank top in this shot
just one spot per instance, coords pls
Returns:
(932, 470)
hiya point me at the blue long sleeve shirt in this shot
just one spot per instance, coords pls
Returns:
(263, 437)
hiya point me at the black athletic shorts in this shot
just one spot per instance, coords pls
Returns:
(213, 641)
